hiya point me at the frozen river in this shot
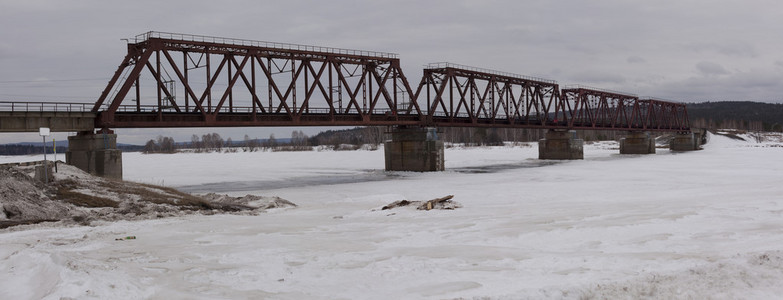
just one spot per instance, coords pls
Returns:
(705, 224)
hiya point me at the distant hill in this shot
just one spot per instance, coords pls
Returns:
(738, 113)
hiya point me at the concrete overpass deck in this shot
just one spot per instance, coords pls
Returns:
(58, 117)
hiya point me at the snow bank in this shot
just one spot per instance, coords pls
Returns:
(24, 199)
(74, 196)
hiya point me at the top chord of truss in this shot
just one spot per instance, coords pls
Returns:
(444, 65)
(251, 43)
(584, 87)
(660, 99)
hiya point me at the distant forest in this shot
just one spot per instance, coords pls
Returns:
(754, 116)
(737, 115)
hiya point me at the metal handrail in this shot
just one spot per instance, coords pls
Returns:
(443, 65)
(246, 110)
(10, 106)
(252, 43)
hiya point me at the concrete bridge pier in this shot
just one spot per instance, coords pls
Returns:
(561, 144)
(95, 153)
(688, 141)
(414, 149)
(637, 142)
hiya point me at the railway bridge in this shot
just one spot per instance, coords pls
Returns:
(169, 80)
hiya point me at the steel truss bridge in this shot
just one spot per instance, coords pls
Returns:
(179, 80)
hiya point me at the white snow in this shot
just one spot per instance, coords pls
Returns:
(704, 224)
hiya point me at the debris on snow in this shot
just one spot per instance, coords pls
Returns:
(248, 202)
(437, 203)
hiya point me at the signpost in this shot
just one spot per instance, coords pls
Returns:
(54, 149)
(44, 132)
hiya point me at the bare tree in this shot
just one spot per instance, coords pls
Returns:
(196, 144)
(162, 145)
(150, 147)
(271, 142)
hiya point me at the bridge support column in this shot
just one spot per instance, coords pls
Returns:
(95, 153)
(637, 142)
(687, 141)
(561, 144)
(414, 149)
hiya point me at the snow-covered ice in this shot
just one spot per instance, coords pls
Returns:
(704, 224)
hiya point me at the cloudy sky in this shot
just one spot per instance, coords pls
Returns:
(683, 50)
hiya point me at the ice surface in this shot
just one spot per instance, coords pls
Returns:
(703, 224)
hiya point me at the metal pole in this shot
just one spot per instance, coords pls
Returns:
(54, 148)
(46, 172)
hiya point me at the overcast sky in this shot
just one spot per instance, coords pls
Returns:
(690, 51)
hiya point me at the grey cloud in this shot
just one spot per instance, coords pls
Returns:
(635, 60)
(597, 79)
(710, 69)
(735, 49)
(5, 51)
(752, 85)
(738, 49)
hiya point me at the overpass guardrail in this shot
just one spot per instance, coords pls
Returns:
(9, 106)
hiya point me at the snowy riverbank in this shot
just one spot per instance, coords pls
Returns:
(670, 225)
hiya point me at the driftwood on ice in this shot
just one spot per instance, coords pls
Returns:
(437, 203)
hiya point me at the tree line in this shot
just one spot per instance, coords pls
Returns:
(213, 142)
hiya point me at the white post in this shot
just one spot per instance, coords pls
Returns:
(46, 175)
(44, 132)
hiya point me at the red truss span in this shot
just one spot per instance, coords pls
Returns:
(178, 80)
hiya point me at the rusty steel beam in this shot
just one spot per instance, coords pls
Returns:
(596, 108)
(665, 115)
(602, 109)
(457, 95)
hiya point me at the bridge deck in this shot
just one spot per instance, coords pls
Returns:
(54, 120)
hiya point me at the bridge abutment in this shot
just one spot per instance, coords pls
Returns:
(414, 149)
(637, 142)
(96, 154)
(687, 141)
(561, 144)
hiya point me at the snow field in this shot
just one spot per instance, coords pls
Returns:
(704, 224)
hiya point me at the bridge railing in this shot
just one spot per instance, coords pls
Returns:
(241, 110)
(9, 106)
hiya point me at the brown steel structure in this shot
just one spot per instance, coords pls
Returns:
(229, 82)
(591, 108)
(458, 95)
(177, 80)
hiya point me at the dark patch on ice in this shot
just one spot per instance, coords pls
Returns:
(305, 181)
(533, 163)
(333, 179)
